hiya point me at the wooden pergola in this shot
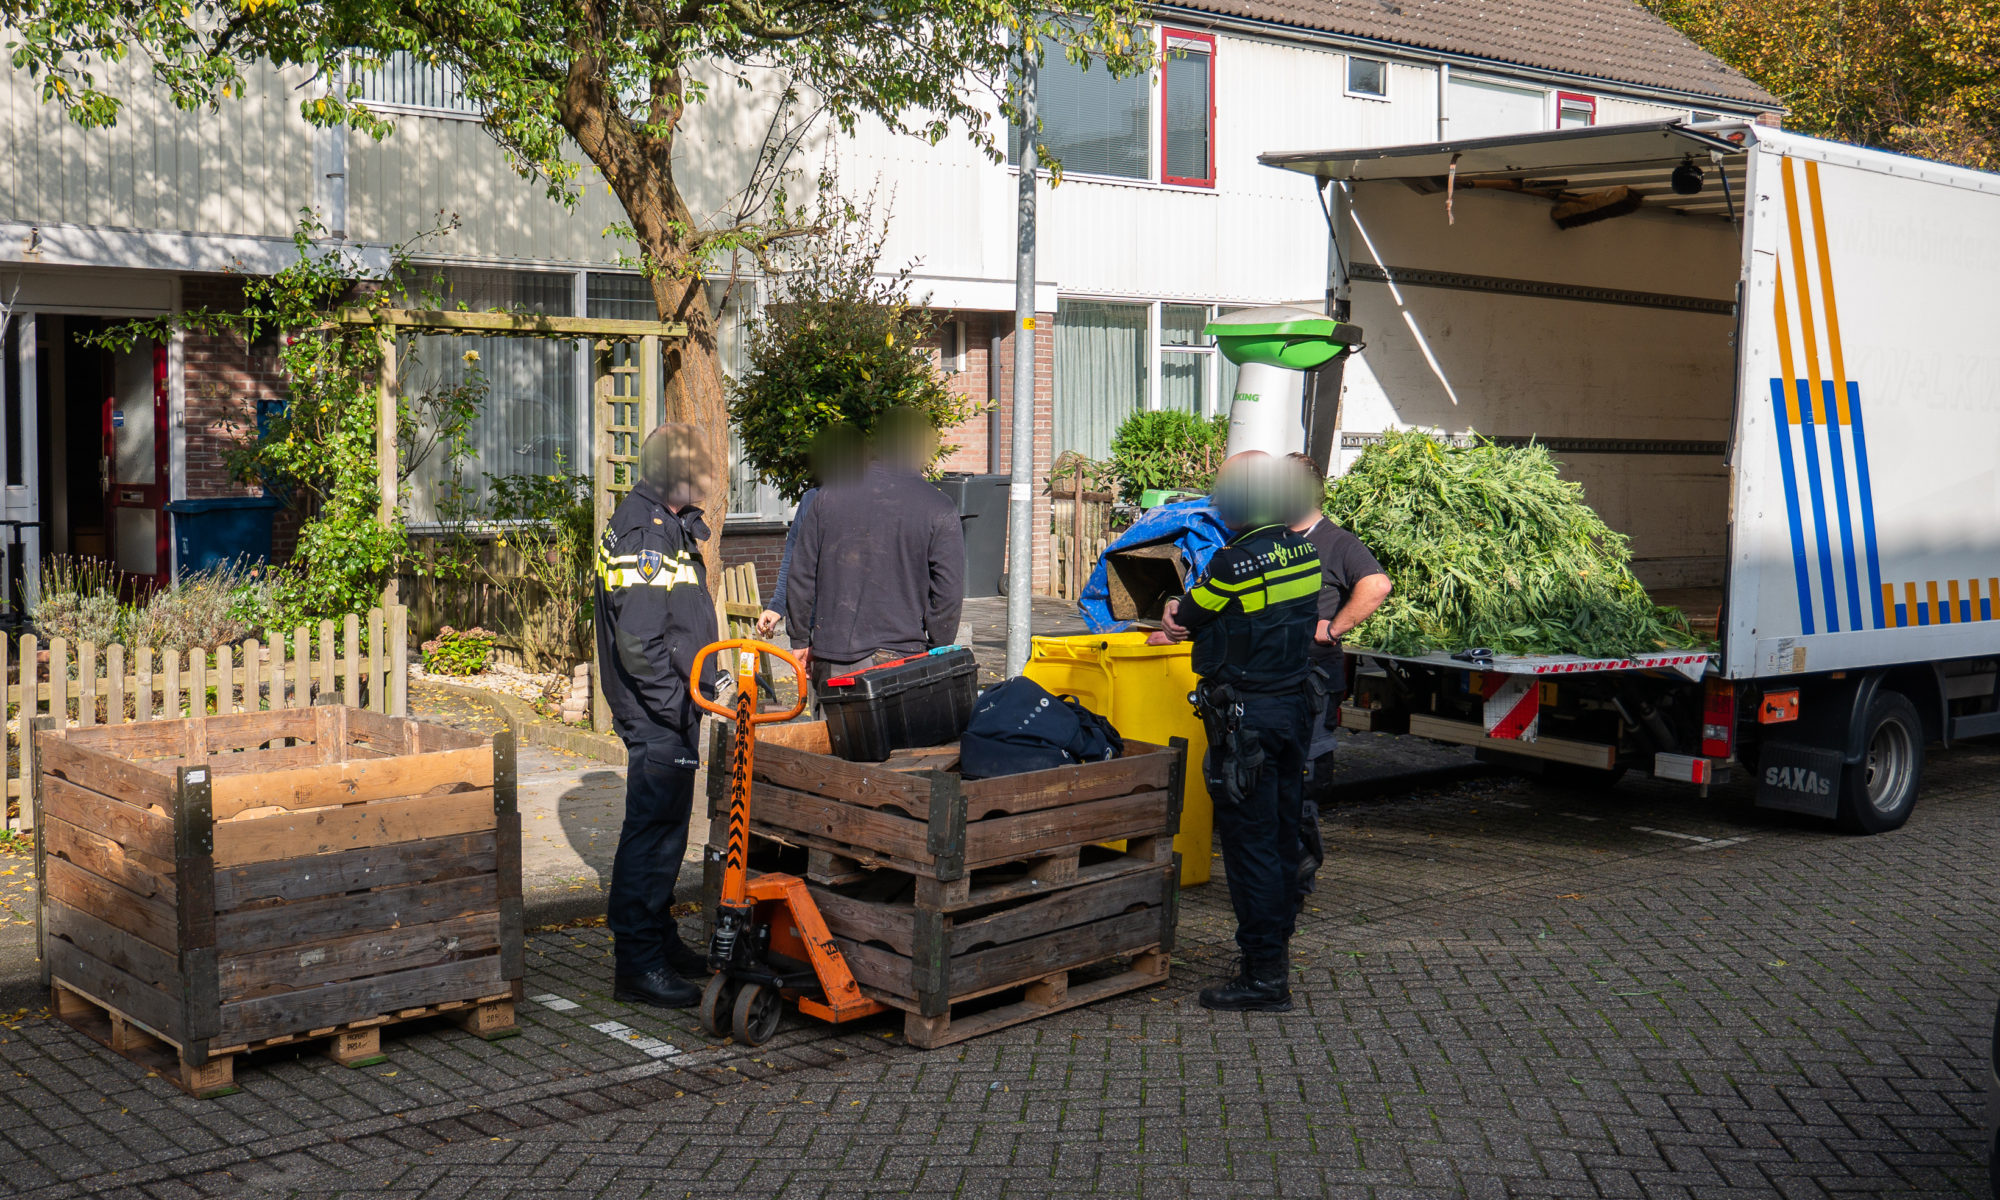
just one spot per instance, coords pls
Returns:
(625, 388)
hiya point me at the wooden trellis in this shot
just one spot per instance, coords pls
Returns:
(624, 387)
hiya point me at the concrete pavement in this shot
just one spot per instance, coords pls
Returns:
(1504, 989)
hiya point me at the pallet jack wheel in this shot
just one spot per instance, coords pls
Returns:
(758, 1011)
(717, 999)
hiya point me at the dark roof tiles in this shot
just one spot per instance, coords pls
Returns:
(1612, 40)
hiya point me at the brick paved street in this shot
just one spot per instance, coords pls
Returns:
(1507, 990)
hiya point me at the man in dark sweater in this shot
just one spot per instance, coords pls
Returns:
(1352, 586)
(878, 571)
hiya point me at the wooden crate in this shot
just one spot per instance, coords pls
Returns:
(970, 905)
(913, 814)
(218, 885)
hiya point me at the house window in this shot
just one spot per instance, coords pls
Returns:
(1367, 77)
(1100, 350)
(1186, 359)
(528, 422)
(1092, 123)
(1187, 85)
(405, 82)
(1574, 111)
(951, 347)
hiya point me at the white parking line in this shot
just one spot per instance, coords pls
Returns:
(1582, 817)
(550, 1000)
(1700, 842)
(654, 1047)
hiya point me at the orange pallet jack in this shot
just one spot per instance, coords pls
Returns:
(770, 943)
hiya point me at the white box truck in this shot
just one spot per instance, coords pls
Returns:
(1774, 363)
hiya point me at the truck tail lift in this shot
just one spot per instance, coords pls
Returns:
(770, 943)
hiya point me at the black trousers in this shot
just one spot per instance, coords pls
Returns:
(659, 796)
(1260, 836)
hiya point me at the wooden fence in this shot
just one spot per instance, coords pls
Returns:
(364, 661)
(1080, 524)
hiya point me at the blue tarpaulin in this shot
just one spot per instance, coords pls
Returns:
(1191, 525)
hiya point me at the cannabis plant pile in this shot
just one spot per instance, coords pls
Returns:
(1488, 546)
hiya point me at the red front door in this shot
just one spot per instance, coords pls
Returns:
(134, 467)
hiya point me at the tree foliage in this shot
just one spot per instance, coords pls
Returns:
(613, 79)
(1165, 449)
(1917, 76)
(841, 342)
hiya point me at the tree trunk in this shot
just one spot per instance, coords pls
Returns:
(695, 391)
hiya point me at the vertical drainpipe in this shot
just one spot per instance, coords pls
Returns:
(994, 348)
(330, 155)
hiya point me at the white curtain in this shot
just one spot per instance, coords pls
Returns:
(1100, 372)
(529, 420)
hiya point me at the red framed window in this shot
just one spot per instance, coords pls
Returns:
(1187, 108)
(1575, 111)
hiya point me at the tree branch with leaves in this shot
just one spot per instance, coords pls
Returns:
(611, 80)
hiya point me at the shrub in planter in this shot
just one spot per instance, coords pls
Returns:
(459, 651)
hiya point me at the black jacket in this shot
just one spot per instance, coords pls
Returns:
(1253, 613)
(654, 614)
(879, 565)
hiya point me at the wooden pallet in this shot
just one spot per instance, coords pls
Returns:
(352, 1044)
(973, 1015)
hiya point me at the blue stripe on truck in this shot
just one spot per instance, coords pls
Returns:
(1867, 497)
(1841, 507)
(1810, 430)
(1792, 505)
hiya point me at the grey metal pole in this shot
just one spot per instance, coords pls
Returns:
(1021, 487)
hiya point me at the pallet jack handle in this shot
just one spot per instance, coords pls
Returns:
(736, 858)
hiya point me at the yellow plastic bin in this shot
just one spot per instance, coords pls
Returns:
(1144, 691)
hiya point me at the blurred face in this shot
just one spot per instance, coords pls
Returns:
(1253, 489)
(675, 463)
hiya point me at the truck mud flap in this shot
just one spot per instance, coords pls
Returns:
(1800, 779)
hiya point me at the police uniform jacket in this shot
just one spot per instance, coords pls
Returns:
(1253, 612)
(654, 614)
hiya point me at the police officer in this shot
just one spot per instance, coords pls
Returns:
(1252, 616)
(654, 614)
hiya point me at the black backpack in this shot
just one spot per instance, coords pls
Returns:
(1018, 726)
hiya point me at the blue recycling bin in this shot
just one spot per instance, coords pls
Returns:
(218, 531)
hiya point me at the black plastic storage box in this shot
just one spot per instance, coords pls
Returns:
(922, 700)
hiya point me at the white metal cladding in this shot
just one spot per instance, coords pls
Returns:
(246, 169)
(1868, 497)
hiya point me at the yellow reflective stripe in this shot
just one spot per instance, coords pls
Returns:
(1202, 595)
(1299, 569)
(1223, 585)
(1292, 589)
(1254, 602)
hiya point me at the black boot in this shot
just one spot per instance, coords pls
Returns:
(1257, 987)
(658, 987)
(686, 961)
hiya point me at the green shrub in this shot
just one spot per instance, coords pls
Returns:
(1489, 546)
(78, 600)
(1167, 450)
(839, 344)
(459, 651)
(217, 607)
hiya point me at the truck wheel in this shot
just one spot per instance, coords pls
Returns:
(1877, 793)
